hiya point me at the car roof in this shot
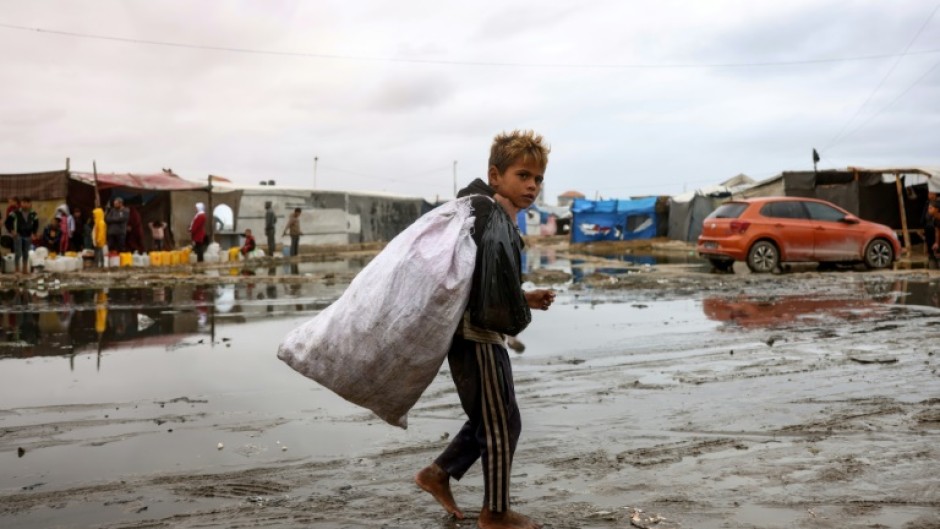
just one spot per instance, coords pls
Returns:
(762, 200)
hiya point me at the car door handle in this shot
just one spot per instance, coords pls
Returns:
(820, 228)
(778, 225)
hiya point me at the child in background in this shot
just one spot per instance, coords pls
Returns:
(99, 236)
(249, 245)
(157, 229)
(66, 228)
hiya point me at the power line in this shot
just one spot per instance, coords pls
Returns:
(361, 58)
(893, 101)
(887, 74)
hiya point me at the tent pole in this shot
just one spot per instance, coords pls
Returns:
(94, 168)
(210, 215)
(907, 234)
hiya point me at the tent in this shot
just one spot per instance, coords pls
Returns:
(613, 220)
(687, 211)
(160, 196)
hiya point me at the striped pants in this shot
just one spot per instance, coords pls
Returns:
(483, 378)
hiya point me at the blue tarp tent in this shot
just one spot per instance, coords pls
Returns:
(613, 220)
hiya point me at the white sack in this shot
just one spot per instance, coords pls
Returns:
(383, 341)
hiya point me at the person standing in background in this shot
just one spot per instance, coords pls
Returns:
(13, 204)
(197, 229)
(135, 230)
(117, 218)
(77, 243)
(270, 220)
(24, 224)
(66, 228)
(99, 238)
(293, 229)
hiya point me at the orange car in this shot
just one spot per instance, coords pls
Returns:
(765, 232)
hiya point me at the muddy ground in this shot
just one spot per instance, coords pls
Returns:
(659, 396)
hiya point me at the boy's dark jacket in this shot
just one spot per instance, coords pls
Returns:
(483, 208)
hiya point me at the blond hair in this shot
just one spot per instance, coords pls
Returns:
(510, 146)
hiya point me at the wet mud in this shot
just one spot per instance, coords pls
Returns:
(651, 396)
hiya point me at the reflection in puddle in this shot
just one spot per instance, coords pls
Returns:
(784, 310)
(65, 323)
(780, 311)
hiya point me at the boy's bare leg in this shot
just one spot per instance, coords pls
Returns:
(505, 520)
(433, 480)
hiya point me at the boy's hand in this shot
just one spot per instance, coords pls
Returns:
(540, 299)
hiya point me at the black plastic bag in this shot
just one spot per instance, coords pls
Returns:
(497, 302)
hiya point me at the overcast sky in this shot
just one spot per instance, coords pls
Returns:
(635, 98)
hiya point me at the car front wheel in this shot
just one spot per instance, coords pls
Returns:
(763, 257)
(879, 254)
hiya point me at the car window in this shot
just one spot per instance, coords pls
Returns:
(823, 212)
(729, 210)
(784, 210)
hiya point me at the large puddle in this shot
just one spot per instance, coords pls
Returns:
(99, 385)
(158, 377)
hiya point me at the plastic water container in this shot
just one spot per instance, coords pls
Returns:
(127, 259)
(9, 265)
(214, 248)
(193, 259)
(114, 260)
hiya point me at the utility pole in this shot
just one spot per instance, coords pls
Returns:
(455, 178)
(315, 160)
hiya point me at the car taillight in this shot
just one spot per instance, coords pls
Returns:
(739, 226)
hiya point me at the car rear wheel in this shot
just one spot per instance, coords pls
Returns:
(879, 254)
(763, 257)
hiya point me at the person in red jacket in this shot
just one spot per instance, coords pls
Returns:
(249, 245)
(197, 229)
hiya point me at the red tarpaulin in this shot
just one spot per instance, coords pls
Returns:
(150, 182)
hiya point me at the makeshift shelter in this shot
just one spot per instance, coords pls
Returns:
(613, 220)
(160, 196)
(46, 190)
(687, 211)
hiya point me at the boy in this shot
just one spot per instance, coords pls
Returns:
(478, 359)
(249, 245)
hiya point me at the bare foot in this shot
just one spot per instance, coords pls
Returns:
(433, 480)
(505, 520)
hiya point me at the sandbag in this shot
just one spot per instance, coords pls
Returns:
(383, 341)
(498, 302)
